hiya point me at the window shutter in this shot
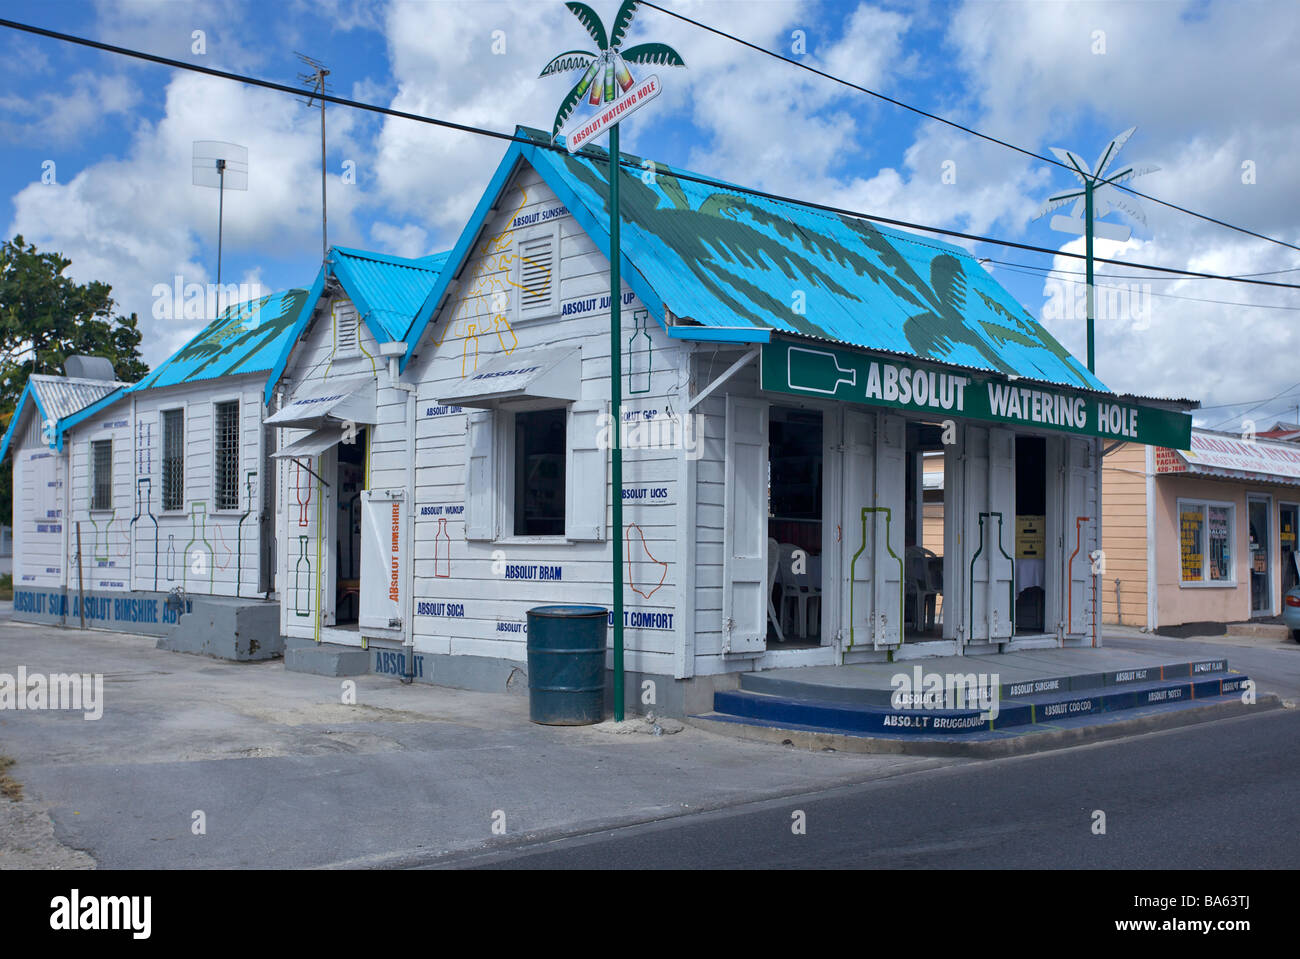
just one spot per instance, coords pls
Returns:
(537, 279)
(588, 443)
(480, 499)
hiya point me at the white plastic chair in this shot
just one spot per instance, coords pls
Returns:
(773, 569)
(800, 588)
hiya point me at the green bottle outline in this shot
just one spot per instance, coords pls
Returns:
(639, 330)
(298, 579)
(853, 565)
(198, 534)
(970, 582)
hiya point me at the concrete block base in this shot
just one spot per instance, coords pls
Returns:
(324, 659)
(237, 629)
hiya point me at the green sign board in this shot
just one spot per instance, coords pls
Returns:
(831, 373)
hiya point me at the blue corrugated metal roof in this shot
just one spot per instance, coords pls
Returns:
(246, 338)
(742, 267)
(388, 290)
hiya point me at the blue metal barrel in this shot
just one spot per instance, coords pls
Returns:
(566, 665)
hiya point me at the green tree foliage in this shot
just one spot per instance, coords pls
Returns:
(44, 310)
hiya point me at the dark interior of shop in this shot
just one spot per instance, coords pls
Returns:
(1030, 533)
(350, 480)
(794, 527)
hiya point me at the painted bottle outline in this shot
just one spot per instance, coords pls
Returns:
(302, 580)
(811, 360)
(220, 537)
(442, 549)
(299, 489)
(171, 557)
(639, 347)
(144, 507)
(199, 534)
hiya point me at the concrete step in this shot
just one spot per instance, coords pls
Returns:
(1260, 630)
(325, 659)
(784, 683)
(1031, 708)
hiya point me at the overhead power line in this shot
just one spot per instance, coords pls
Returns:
(954, 124)
(630, 163)
(1047, 271)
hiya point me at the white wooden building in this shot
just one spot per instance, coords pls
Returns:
(785, 373)
(40, 480)
(163, 483)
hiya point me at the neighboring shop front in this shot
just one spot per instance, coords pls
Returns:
(1217, 528)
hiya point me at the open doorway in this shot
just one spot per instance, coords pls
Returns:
(924, 538)
(1031, 535)
(349, 481)
(794, 527)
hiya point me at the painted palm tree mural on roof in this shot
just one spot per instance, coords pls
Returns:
(748, 254)
(605, 72)
(236, 340)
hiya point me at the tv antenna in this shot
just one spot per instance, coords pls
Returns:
(224, 166)
(319, 87)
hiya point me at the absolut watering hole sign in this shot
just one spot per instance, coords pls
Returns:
(858, 378)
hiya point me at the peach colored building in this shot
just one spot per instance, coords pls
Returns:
(1199, 537)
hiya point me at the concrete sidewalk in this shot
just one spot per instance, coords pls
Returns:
(287, 775)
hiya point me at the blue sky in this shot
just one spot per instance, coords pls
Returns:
(1209, 86)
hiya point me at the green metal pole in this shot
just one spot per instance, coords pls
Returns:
(616, 402)
(1087, 191)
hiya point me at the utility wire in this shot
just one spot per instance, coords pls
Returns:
(1129, 276)
(593, 157)
(1258, 405)
(1030, 270)
(958, 126)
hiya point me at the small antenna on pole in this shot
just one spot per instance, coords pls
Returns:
(224, 166)
(319, 87)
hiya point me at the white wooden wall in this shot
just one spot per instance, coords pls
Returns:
(470, 601)
(198, 548)
(38, 504)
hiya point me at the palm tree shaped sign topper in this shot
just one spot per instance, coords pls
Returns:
(606, 76)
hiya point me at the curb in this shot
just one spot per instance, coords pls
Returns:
(1028, 742)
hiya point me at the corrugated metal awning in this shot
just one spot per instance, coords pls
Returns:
(313, 444)
(1231, 457)
(541, 375)
(340, 401)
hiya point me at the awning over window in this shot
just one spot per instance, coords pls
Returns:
(538, 375)
(340, 401)
(1230, 457)
(313, 444)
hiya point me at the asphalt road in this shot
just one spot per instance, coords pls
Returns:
(1211, 796)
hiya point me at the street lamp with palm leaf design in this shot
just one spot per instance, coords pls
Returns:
(605, 79)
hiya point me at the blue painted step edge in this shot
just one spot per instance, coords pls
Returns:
(860, 719)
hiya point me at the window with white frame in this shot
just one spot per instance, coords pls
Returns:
(101, 474)
(173, 459)
(537, 503)
(536, 473)
(1206, 538)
